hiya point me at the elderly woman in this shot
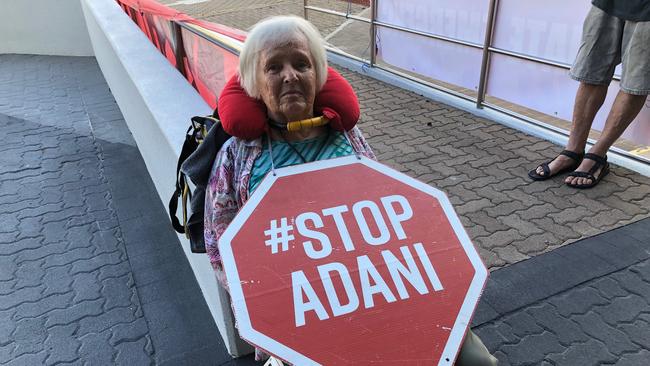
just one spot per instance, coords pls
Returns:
(283, 63)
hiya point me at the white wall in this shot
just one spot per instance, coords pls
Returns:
(157, 103)
(43, 27)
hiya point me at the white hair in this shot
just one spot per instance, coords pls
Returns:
(276, 31)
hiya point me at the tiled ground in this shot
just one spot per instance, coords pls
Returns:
(91, 272)
(587, 303)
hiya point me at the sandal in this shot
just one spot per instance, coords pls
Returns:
(601, 162)
(576, 157)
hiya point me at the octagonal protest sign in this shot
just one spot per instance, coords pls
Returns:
(349, 262)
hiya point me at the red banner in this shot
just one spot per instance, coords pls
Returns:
(205, 65)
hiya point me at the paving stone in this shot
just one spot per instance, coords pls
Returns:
(57, 280)
(622, 309)
(565, 232)
(633, 193)
(96, 261)
(638, 331)
(532, 349)
(29, 335)
(510, 253)
(31, 258)
(491, 259)
(28, 273)
(26, 294)
(125, 332)
(537, 243)
(590, 352)
(578, 301)
(62, 344)
(28, 359)
(568, 332)
(80, 310)
(7, 326)
(106, 319)
(609, 288)
(118, 292)
(133, 353)
(85, 287)
(500, 238)
(473, 206)
(526, 228)
(523, 324)
(5, 353)
(96, 349)
(114, 270)
(617, 341)
(643, 270)
(45, 305)
(74, 255)
(637, 359)
(508, 208)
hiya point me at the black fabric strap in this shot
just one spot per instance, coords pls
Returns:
(571, 154)
(188, 147)
(600, 162)
(599, 159)
(546, 169)
(173, 205)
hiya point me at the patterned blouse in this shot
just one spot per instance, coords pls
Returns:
(228, 187)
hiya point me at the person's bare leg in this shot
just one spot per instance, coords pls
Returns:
(624, 110)
(589, 99)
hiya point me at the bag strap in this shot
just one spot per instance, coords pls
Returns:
(189, 146)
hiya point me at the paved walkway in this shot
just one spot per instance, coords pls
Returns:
(587, 303)
(89, 275)
(90, 271)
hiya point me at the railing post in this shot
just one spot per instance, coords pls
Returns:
(304, 9)
(373, 32)
(485, 62)
(179, 47)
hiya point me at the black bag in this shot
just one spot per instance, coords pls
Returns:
(203, 140)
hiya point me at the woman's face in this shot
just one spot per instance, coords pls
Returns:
(287, 81)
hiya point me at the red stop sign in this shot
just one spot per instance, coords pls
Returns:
(349, 262)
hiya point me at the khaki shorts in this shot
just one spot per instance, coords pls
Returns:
(608, 40)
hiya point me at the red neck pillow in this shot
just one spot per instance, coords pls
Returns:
(245, 117)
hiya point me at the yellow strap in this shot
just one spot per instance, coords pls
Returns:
(307, 123)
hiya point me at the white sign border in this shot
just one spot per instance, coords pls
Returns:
(245, 328)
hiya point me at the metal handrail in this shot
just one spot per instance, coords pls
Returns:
(373, 33)
(394, 26)
(487, 48)
(234, 46)
(485, 60)
(487, 51)
(539, 60)
(231, 45)
(429, 35)
(337, 13)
